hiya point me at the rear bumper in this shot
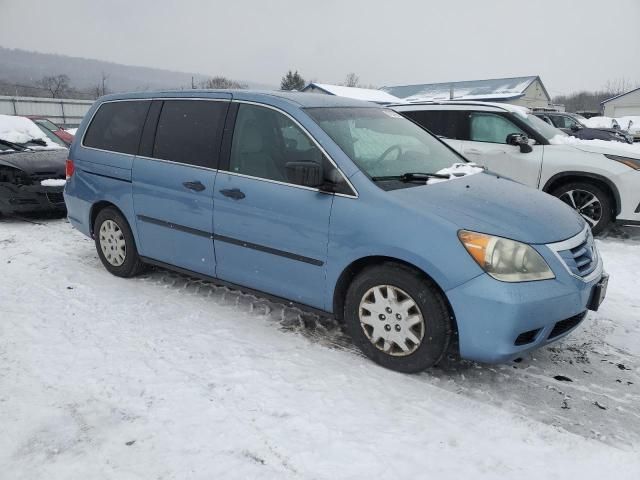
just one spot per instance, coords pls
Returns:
(500, 321)
(31, 198)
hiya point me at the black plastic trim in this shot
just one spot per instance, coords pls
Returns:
(235, 286)
(106, 176)
(587, 175)
(233, 241)
(182, 228)
(273, 251)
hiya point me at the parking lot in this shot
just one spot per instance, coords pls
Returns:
(164, 376)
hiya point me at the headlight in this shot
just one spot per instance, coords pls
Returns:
(504, 259)
(629, 162)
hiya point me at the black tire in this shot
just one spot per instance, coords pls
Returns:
(606, 203)
(427, 297)
(132, 265)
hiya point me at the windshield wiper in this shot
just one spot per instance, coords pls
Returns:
(411, 177)
(15, 146)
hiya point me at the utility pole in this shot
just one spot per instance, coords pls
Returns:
(193, 85)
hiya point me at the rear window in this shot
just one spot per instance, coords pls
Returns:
(117, 126)
(189, 131)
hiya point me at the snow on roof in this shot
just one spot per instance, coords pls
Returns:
(618, 96)
(22, 130)
(366, 94)
(492, 89)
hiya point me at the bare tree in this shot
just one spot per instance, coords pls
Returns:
(221, 83)
(56, 85)
(619, 85)
(351, 80)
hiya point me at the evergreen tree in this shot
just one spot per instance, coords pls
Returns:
(292, 81)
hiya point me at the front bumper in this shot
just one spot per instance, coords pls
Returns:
(30, 198)
(499, 321)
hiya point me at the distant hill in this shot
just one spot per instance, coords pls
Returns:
(21, 67)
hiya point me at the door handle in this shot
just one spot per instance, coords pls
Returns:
(234, 193)
(473, 151)
(197, 186)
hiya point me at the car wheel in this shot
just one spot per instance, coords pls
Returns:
(397, 317)
(115, 243)
(590, 201)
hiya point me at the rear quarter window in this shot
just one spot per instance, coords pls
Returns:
(444, 123)
(117, 126)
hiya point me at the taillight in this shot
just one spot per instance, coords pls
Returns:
(69, 168)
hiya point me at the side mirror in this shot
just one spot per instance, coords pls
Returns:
(519, 140)
(306, 173)
(575, 127)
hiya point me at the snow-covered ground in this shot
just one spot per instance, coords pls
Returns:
(166, 377)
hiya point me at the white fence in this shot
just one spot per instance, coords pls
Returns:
(65, 112)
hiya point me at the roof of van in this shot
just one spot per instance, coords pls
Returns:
(300, 99)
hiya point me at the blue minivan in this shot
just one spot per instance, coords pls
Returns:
(336, 205)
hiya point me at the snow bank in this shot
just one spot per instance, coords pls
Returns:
(53, 182)
(598, 146)
(22, 130)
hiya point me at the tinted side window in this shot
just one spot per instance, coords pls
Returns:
(117, 126)
(440, 122)
(189, 132)
(488, 127)
(264, 141)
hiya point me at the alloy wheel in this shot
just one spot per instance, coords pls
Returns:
(585, 203)
(112, 243)
(391, 320)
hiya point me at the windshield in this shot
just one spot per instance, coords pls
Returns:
(47, 124)
(52, 136)
(382, 142)
(542, 127)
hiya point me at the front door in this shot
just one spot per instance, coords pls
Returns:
(173, 182)
(270, 233)
(487, 146)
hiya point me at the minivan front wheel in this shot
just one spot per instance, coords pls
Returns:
(115, 243)
(590, 201)
(397, 317)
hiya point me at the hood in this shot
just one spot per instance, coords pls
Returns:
(37, 161)
(615, 148)
(489, 204)
(602, 147)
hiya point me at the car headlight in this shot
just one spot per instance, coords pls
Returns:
(505, 260)
(628, 161)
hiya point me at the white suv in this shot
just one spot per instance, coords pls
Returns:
(601, 180)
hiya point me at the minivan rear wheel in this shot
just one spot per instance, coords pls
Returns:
(115, 243)
(397, 317)
(590, 201)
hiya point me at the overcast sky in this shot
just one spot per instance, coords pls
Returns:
(571, 44)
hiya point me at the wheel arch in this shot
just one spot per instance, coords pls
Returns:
(607, 185)
(357, 266)
(97, 207)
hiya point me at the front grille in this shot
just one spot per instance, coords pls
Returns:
(55, 197)
(582, 259)
(563, 326)
(527, 337)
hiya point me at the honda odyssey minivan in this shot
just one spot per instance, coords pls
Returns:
(339, 206)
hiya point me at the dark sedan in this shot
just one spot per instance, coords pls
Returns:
(571, 124)
(31, 180)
